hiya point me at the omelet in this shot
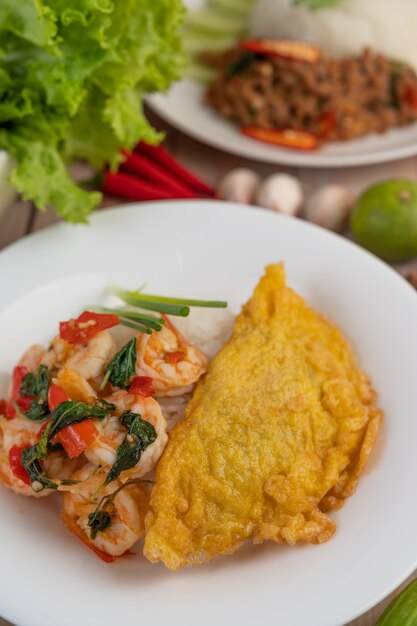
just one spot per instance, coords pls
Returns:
(274, 438)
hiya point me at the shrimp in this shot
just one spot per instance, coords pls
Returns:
(23, 433)
(89, 360)
(127, 512)
(103, 450)
(173, 364)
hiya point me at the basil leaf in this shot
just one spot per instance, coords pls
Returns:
(98, 521)
(72, 412)
(140, 435)
(37, 384)
(122, 367)
(39, 480)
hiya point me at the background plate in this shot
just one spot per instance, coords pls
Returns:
(212, 249)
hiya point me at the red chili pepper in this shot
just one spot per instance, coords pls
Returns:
(287, 137)
(18, 373)
(174, 357)
(134, 188)
(162, 157)
(146, 168)
(56, 395)
(286, 49)
(327, 124)
(410, 96)
(15, 463)
(86, 326)
(142, 386)
(77, 437)
(3, 407)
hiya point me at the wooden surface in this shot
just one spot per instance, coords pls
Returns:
(211, 164)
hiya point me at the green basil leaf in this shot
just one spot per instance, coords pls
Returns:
(37, 384)
(38, 411)
(123, 365)
(140, 435)
(72, 412)
(30, 462)
(98, 521)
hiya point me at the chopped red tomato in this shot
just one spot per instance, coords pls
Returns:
(77, 437)
(15, 462)
(287, 137)
(174, 357)
(23, 403)
(142, 386)
(56, 395)
(86, 325)
(286, 49)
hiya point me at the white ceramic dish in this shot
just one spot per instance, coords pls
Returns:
(184, 108)
(216, 250)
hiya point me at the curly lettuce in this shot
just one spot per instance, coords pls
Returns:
(72, 78)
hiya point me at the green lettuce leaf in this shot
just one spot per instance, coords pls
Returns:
(72, 78)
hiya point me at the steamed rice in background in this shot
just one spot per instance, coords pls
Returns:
(345, 29)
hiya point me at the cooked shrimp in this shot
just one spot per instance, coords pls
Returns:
(173, 364)
(111, 434)
(22, 433)
(127, 512)
(32, 357)
(89, 360)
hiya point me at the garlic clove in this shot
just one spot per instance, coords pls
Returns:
(330, 207)
(239, 185)
(282, 193)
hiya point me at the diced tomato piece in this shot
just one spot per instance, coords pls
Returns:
(142, 386)
(174, 357)
(77, 437)
(15, 462)
(56, 395)
(86, 325)
(284, 48)
(287, 137)
(18, 373)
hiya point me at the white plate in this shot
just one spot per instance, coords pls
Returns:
(184, 108)
(216, 250)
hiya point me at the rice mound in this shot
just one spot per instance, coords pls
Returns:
(344, 29)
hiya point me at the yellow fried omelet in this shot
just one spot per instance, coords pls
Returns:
(275, 436)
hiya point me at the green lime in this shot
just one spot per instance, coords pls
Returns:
(384, 220)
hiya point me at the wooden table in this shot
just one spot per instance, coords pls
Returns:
(21, 219)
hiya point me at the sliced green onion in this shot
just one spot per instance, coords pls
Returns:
(214, 304)
(129, 314)
(135, 300)
(140, 327)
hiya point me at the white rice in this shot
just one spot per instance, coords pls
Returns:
(209, 329)
(384, 25)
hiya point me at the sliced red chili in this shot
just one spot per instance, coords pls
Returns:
(142, 386)
(77, 437)
(3, 407)
(86, 325)
(327, 124)
(15, 463)
(287, 137)
(174, 357)
(23, 403)
(284, 48)
(56, 395)
(410, 96)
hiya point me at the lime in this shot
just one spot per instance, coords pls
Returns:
(384, 220)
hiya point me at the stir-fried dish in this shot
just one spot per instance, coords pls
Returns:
(82, 416)
(292, 94)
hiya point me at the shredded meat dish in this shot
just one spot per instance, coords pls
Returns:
(335, 99)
